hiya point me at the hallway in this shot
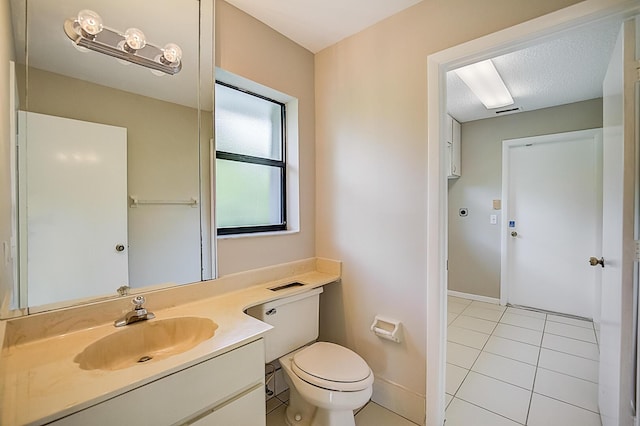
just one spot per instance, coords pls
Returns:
(508, 366)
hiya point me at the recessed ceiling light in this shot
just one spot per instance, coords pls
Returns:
(483, 80)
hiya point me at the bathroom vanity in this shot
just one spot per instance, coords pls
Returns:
(214, 392)
(219, 381)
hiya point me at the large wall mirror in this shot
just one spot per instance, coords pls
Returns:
(113, 185)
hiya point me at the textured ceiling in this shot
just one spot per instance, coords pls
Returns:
(560, 71)
(568, 69)
(317, 24)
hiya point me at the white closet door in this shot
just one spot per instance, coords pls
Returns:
(554, 216)
(74, 189)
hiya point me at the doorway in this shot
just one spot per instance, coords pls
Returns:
(438, 64)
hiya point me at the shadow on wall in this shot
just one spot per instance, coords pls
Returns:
(333, 322)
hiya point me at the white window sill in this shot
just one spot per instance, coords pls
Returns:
(258, 234)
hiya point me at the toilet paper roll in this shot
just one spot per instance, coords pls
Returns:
(381, 332)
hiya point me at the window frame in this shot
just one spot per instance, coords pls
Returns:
(262, 161)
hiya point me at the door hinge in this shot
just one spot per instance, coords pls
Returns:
(636, 244)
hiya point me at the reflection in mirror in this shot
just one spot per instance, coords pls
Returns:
(110, 194)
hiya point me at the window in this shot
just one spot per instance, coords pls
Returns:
(250, 162)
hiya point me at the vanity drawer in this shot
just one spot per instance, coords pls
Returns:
(183, 397)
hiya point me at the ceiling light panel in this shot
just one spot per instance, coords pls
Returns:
(483, 79)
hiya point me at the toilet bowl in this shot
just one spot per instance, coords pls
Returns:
(326, 382)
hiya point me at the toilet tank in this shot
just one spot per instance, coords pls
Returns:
(294, 320)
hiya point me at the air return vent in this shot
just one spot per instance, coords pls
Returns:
(285, 286)
(508, 111)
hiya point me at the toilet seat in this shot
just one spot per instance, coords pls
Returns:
(332, 367)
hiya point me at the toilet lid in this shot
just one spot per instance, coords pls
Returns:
(333, 367)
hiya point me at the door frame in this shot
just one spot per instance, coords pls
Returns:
(508, 40)
(596, 135)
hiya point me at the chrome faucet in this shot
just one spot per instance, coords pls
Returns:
(137, 314)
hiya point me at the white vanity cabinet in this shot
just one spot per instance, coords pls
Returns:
(452, 132)
(225, 390)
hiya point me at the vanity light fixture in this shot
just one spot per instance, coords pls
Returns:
(86, 30)
(485, 82)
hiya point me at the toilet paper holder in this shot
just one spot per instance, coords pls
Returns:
(387, 328)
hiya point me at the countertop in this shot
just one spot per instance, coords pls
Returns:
(41, 382)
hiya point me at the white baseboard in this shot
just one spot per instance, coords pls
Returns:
(470, 296)
(399, 399)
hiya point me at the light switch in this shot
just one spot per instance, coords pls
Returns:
(493, 219)
(497, 204)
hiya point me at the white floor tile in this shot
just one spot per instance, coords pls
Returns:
(505, 369)
(460, 355)
(459, 300)
(570, 321)
(499, 397)
(276, 417)
(566, 388)
(454, 377)
(456, 307)
(376, 415)
(566, 330)
(475, 324)
(523, 321)
(272, 404)
(550, 412)
(485, 305)
(571, 365)
(511, 349)
(571, 346)
(461, 413)
(451, 316)
(447, 399)
(483, 313)
(519, 334)
(466, 337)
(526, 313)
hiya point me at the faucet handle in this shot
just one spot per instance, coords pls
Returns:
(138, 301)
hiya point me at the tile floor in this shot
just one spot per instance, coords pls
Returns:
(371, 414)
(505, 367)
(508, 366)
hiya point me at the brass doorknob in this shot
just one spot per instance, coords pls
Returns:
(593, 261)
(514, 234)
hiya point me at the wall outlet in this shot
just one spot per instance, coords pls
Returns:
(493, 219)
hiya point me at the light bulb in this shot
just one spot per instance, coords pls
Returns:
(134, 39)
(90, 22)
(171, 54)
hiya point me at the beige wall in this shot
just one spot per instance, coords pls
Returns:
(250, 49)
(371, 156)
(6, 54)
(474, 244)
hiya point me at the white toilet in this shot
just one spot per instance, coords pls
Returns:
(326, 381)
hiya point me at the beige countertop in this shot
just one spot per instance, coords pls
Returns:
(40, 382)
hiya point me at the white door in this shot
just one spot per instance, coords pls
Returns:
(73, 208)
(616, 323)
(552, 192)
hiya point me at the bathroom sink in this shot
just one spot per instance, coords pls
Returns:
(145, 341)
